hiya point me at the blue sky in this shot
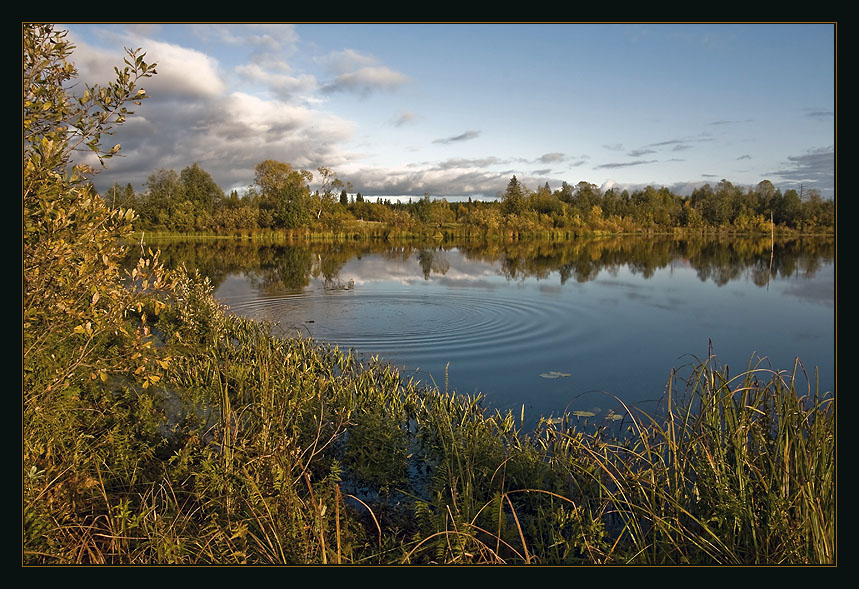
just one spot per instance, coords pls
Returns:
(455, 110)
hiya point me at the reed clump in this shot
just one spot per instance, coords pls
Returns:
(264, 450)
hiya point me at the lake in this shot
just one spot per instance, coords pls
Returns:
(552, 326)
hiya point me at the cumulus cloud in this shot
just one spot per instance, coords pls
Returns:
(607, 185)
(227, 136)
(437, 180)
(282, 85)
(182, 72)
(192, 116)
(456, 138)
(685, 188)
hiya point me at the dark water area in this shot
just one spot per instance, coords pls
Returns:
(552, 326)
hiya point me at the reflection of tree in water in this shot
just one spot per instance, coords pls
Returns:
(583, 271)
(214, 258)
(289, 271)
(433, 261)
(719, 264)
(289, 267)
(292, 266)
(761, 273)
(329, 262)
(720, 260)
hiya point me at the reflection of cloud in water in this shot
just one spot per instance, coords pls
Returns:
(460, 273)
(636, 295)
(551, 289)
(466, 282)
(817, 292)
(617, 284)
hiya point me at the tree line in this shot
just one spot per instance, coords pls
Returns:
(281, 199)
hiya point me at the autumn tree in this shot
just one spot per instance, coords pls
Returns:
(79, 337)
(73, 293)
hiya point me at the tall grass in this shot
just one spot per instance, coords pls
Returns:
(265, 450)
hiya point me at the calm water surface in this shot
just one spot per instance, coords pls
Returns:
(552, 327)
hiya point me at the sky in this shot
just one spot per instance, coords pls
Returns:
(455, 110)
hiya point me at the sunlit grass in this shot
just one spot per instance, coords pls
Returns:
(289, 451)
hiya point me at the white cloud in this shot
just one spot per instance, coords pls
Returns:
(367, 79)
(184, 71)
(359, 72)
(284, 86)
(348, 60)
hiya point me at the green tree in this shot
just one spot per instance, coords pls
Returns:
(200, 188)
(788, 209)
(586, 197)
(765, 193)
(513, 200)
(286, 192)
(164, 192)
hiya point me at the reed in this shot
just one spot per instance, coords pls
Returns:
(257, 449)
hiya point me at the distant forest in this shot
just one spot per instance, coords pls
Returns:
(281, 200)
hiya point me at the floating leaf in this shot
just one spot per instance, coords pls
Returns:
(584, 413)
(555, 374)
(612, 416)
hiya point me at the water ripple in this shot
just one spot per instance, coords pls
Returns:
(462, 324)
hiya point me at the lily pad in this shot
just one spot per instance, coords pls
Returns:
(555, 374)
(584, 413)
(612, 416)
